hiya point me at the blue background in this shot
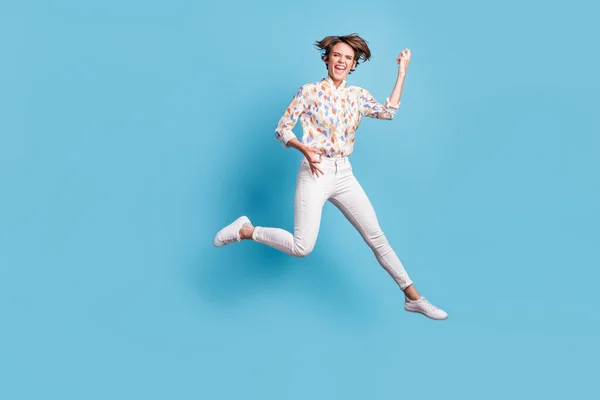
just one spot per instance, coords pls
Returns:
(131, 131)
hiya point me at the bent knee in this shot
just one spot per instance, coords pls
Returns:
(302, 250)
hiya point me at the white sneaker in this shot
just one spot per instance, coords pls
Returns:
(231, 233)
(424, 307)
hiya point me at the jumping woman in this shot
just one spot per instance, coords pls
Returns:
(330, 112)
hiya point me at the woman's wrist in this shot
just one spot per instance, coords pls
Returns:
(296, 144)
(302, 148)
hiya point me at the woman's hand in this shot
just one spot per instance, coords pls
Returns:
(314, 158)
(403, 60)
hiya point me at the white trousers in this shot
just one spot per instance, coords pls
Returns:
(340, 187)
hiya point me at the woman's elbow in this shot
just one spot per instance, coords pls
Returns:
(385, 116)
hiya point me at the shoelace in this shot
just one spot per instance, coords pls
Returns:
(428, 304)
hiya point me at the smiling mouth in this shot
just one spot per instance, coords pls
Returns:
(339, 68)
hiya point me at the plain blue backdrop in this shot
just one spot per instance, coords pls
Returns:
(131, 131)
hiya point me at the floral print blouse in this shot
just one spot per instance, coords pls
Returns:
(330, 116)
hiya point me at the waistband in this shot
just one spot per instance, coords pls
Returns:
(331, 160)
(335, 160)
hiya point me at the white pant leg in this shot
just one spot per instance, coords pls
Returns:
(353, 202)
(311, 194)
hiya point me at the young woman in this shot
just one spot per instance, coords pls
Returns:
(330, 112)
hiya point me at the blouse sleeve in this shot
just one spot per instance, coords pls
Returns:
(297, 107)
(369, 107)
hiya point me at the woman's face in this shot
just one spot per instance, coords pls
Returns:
(340, 61)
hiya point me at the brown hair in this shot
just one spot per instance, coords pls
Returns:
(358, 44)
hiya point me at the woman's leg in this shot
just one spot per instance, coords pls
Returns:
(351, 199)
(353, 202)
(311, 194)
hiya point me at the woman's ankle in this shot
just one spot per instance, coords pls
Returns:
(411, 293)
(246, 232)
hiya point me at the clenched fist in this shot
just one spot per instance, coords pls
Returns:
(403, 60)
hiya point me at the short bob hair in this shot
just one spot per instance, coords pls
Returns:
(358, 44)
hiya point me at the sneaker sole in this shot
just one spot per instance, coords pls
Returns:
(428, 316)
